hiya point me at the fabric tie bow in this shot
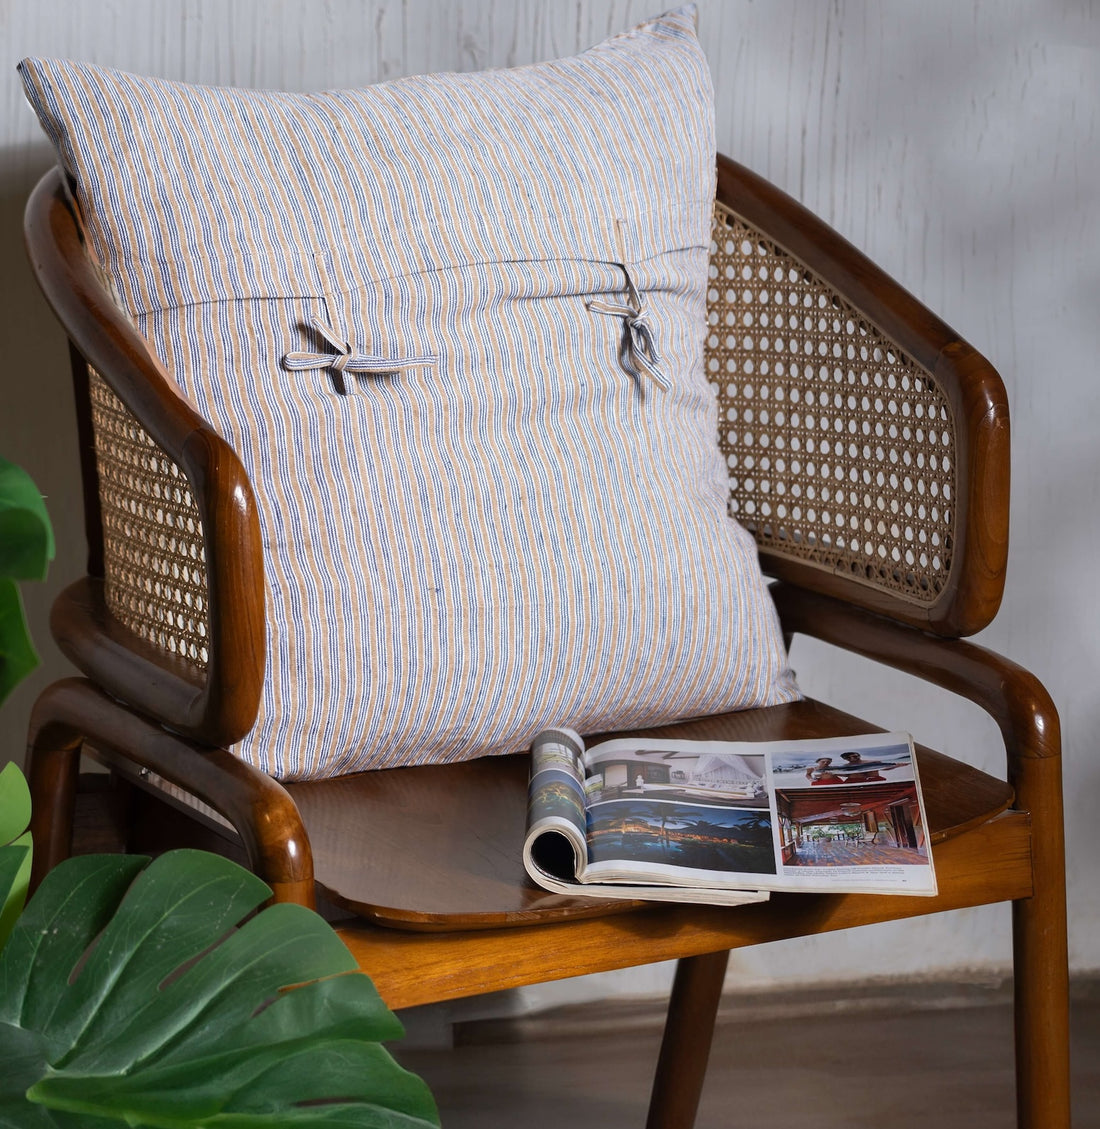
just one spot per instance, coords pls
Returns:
(345, 359)
(639, 339)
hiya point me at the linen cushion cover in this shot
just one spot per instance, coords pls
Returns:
(453, 326)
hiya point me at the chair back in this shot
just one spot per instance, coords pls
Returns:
(867, 445)
(867, 449)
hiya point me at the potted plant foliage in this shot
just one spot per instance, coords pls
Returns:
(159, 992)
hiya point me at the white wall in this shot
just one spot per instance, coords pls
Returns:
(953, 140)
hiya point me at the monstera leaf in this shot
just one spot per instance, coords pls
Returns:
(26, 548)
(151, 994)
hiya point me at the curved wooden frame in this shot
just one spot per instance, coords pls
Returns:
(220, 706)
(972, 595)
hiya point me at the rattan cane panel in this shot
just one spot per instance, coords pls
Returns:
(840, 448)
(154, 563)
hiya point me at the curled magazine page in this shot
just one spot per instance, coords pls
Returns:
(555, 842)
(555, 849)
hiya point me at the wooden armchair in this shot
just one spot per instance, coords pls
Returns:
(868, 453)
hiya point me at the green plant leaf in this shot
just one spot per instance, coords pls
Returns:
(283, 945)
(357, 1082)
(15, 846)
(26, 549)
(176, 908)
(24, 1060)
(15, 803)
(61, 921)
(15, 875)
(17, 654)
(132, 994)
(26, 537)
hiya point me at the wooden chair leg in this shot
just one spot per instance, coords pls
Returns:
(1041, 960)
(685, 1047)
(52, 766)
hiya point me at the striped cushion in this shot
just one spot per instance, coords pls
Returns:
(453, 324)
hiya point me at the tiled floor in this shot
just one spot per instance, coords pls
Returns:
(929, 1063)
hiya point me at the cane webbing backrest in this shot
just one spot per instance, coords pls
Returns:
(154, 559)
(841, 449)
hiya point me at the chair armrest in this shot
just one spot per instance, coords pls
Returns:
(259, 808)
(213, 701)
(1022, 709)
(1011, 695)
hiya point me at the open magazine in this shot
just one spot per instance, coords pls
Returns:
(726, 822)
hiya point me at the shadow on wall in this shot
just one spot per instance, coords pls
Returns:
(37, 428)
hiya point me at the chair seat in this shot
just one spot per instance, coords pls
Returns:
(440, 848)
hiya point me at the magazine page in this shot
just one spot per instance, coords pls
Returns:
(843, 814)
(850, 815)
(555, 850)
(679, 813)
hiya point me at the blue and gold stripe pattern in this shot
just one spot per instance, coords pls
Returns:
(453, 324)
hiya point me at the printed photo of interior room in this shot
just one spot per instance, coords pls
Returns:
(852, 825)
